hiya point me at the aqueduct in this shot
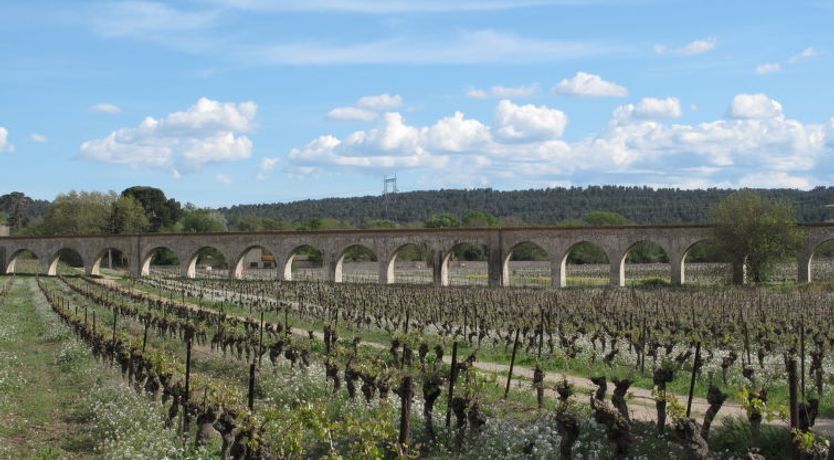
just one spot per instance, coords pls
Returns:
(615, 241)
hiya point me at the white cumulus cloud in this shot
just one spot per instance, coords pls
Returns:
(224, 179)
(383, 101)
(5, 146)
(588, 84)
(650, 108)
(692, 48)
(455, 134)
(754, 144)
(207, 132)
(394, 144)
(105, 107)
(525, 123)
(755, 106)
(393, 136)
(366, 108)
(698, 47)
(350, 114)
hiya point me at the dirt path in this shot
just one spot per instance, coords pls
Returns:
(640, 401)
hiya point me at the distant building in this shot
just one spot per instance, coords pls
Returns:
(256, 258)
(4, 230)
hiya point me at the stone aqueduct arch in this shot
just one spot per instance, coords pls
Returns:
(557, 242)
(806, 257)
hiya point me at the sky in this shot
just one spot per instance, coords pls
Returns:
(221, 102)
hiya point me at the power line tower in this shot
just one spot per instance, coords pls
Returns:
(389, 192)
(389, 185)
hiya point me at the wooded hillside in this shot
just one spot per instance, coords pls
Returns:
(540, 207)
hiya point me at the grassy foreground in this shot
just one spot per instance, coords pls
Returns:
(58, 401)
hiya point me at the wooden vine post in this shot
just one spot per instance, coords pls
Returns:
(145, 334)
(261, 340)
(541, 333)
(790, 364)
(186, 418)
(643, 342)
(406, 347)
(747, 342)
(286, 316)
(512, 364)
(115, 318)
(802, 358)
(465, 321)
(538, 374)
(452, 375)
(251, 396)
(695, 365)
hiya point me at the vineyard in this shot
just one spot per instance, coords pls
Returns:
(261, 369)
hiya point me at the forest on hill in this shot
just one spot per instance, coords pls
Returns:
(643, 205)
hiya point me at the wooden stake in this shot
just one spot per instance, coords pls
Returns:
(286, 321)
(802, 358)
(541, 332)
(790, 363)
(145, 336)
(695, 366)
(792, 392)
(115, 318)
(186, 418)
(252, 386)
(452, 376)
(512, 364)
(747, 343)
(261, 341)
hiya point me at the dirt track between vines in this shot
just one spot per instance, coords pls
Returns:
(640, 401)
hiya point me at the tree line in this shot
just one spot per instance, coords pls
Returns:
(550, 206)
(439, 208)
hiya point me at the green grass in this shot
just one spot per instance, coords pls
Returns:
(57, 401)
(735, 437)
(45, 371)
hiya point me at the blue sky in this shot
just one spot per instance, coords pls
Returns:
(221, 102)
